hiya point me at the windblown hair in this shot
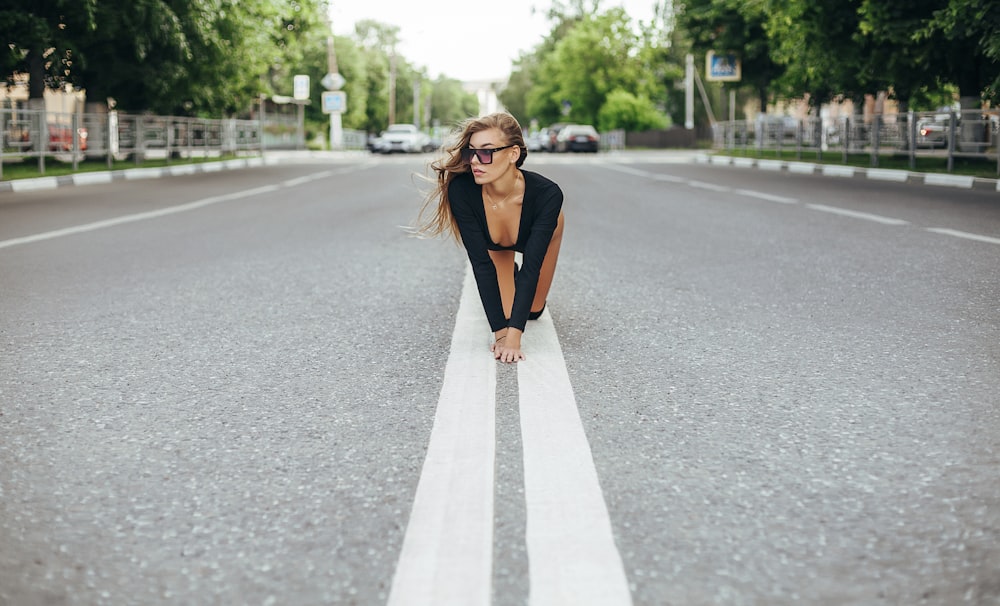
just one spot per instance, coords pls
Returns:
(435, 217)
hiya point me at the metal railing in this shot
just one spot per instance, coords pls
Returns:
(73, 137)
(943, 135)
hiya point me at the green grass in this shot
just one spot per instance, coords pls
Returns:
(28, 168)
(974, 167)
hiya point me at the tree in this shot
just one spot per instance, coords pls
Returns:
(38, 41)
(598, 55)
(623, 110)
(200, 57)
(450, 103)
(731, 26)
(972, 29)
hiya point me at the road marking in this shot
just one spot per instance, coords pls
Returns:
(153, 214)
(709, 186)
(765, 196)
(447, 554)
(964, 234)
(163, 212)
(858, 215)
(572, 556)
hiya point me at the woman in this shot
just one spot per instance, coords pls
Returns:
(496, 209)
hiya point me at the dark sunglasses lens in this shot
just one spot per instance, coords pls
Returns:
(485, 155)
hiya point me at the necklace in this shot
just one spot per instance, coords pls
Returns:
(489, 198)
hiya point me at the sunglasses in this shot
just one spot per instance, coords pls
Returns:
(485, 155)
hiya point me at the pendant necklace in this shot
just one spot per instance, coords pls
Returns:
(489, 198)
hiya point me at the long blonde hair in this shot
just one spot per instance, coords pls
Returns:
(435, 217)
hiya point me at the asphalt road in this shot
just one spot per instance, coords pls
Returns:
(220, 388)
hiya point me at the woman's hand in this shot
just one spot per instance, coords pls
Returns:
(507, 346)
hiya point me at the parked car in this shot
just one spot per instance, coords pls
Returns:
(405, 138)
(578, 138)
(549, 143)
(933, 132)
(535, 141)
(61, 138)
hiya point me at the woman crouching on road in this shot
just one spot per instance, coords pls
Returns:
(494, 208)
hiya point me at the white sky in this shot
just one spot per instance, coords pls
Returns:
(441, 35)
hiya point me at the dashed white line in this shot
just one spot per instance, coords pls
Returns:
(857, 215)
(964, 234)
(765, 196)
(153, 214)
(709, 186)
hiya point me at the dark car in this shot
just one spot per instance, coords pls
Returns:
(578, 138)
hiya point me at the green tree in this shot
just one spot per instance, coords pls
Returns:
(733, 26)
(598, 55)
(205, 57)
(450, 103)
(514, 96)
(38, 41)
(971, 29)
(624, 110)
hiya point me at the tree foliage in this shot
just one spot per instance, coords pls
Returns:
(207, 57)
(218, 57)
(828, 49)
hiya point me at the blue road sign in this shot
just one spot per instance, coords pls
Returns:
(722, 67)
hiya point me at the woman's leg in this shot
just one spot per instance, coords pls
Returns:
(503, 260)
(548, 267)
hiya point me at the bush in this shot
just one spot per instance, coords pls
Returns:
(623, 110)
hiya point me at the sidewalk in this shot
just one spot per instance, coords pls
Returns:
(839, 170)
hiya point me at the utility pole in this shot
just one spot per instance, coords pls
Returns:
(392, 86)
(416, 103)
(689, 92)
(333, 81)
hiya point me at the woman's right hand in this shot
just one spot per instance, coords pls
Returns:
(507, 350)
(498, 339)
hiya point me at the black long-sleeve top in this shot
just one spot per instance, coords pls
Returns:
(539, 215)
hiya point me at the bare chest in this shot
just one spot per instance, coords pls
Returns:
(504, 223)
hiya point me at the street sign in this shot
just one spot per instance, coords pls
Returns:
(300, 87)
(333, 81)
(334, 102)
(722, 67)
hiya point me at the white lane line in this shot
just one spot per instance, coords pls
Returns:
(153, 214)
(708, 186)
(573, 560)
(163, 212)
(964, 234)
(765, 196)
(858, 215)
(447, 554)
(628, 170)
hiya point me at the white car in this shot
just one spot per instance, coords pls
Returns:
(405, 138)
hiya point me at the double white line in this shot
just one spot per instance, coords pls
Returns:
(447, 554)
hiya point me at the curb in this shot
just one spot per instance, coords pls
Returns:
(130, 174)
(838, 170)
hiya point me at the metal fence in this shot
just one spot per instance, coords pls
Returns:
(942, 135)
(27, 135)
